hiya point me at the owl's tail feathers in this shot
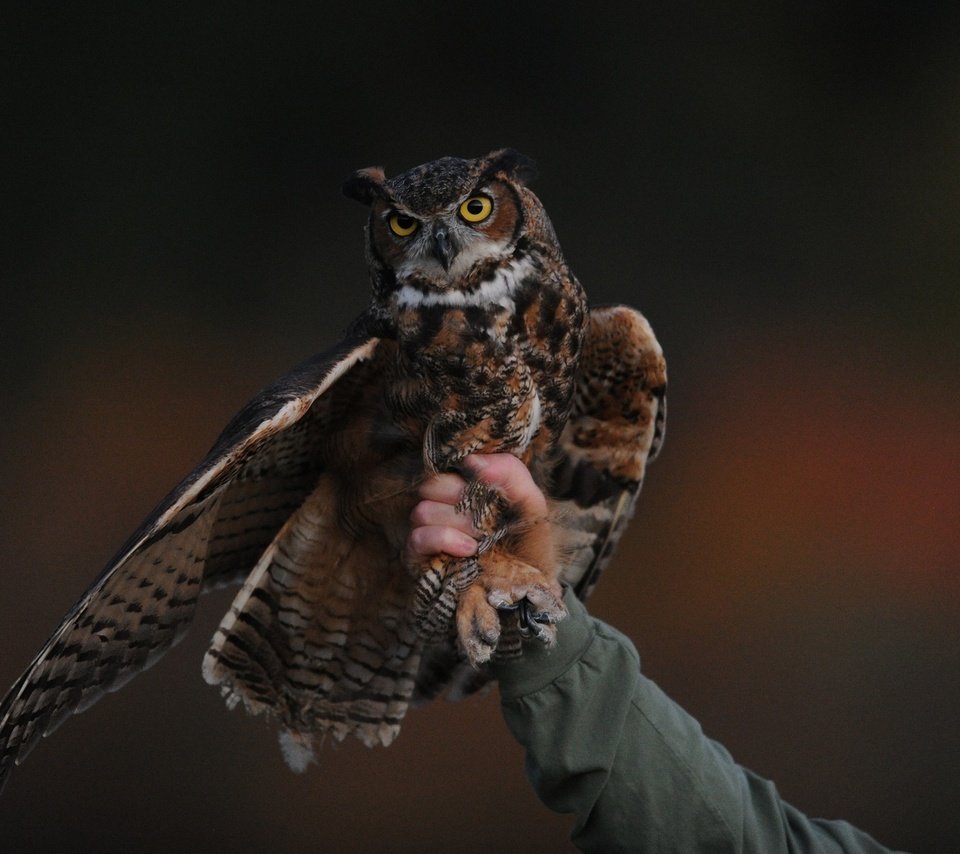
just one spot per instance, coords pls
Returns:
(319, 637)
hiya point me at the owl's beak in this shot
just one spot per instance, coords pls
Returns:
(443, 248)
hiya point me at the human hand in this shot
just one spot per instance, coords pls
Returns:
(435, 525)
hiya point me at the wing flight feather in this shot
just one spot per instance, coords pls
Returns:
(208, 531)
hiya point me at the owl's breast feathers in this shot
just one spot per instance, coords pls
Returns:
(494, 360)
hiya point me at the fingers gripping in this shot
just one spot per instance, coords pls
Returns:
(512, 480)
(467, 578)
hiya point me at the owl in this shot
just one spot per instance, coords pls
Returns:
(478, 339)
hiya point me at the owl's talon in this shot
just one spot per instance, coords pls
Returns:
(539, 624)
(503, 585)
(478, 625)
(525, 617)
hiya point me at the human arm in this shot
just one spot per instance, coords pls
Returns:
(605, 743)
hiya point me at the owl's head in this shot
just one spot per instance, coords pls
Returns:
(440, 225)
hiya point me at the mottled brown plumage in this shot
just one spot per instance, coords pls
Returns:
(477, 340)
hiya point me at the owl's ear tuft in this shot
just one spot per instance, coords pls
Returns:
(512, 163)
(365, 185)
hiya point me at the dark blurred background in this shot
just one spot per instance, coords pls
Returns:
(777, 187)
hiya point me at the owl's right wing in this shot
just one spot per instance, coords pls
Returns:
(209, 531)
(615, 428)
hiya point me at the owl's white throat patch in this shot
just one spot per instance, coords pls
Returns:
(498, 290)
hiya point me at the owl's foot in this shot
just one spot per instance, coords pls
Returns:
(507, 584)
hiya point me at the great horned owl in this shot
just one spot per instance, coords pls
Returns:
(477, 340)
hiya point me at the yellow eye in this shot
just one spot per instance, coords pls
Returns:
(402, 225)
(476, 208)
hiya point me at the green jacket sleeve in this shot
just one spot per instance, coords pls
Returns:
(606, 744)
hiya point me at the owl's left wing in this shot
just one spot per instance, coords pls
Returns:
(615, 428)
(210, 528)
